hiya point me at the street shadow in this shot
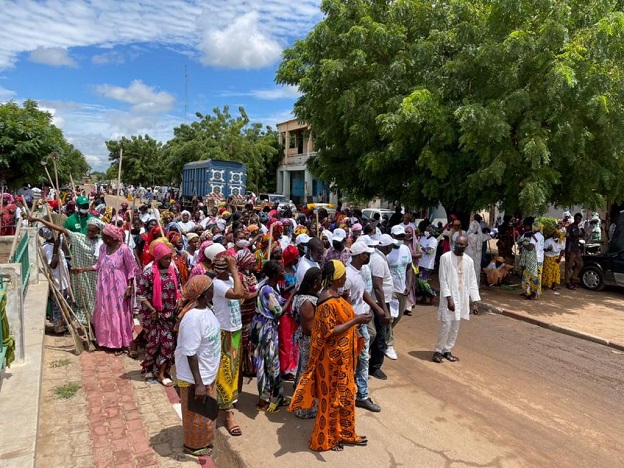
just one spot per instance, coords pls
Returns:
(169, 443)
(133, 375)
(422, 355)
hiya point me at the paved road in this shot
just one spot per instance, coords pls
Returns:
(521, 396)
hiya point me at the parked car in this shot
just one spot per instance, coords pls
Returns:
(279, 198)
(606, 269)
(369, 213)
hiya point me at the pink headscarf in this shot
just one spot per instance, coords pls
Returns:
(114, 232)
(161, 250)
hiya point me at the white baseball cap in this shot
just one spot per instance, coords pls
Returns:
(397, 230)
(386, 239)
(339, 235)
(302, 239)
(360, 248)
(368, 240)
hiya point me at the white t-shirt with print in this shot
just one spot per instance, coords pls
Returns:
(199, 334)
(398, 261)
(356, 285)
(227, 311)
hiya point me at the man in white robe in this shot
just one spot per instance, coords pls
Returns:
(458, 286)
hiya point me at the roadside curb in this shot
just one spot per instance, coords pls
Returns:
(552, 326)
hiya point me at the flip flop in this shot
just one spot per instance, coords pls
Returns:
(166, 382)
(134, 354)
(362, 441)
(206, 451)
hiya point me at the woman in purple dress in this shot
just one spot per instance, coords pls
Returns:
(116, 268)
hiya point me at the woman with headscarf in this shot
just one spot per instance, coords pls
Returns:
(245, 264)
(116, 269)
(531, 261)
(228, 293)
(203, 265)
(330, 375)
(288, 349)
(7, 215)
(158, 290)
(554, 250)
(476, 238)
(186, 223)
(85, 250)
(179, 257)
(197, 357)
(265, 339)
(154, 233)
(304, 308)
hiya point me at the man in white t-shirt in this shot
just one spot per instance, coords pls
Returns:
(358, 275)
(399, 260)
(311, 259)
(382, 292)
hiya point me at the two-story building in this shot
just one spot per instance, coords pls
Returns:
(294, 180)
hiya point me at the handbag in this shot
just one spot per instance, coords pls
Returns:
(208, 407)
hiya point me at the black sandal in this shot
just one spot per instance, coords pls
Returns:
(339, 447)
(437, 357)
(450, 357)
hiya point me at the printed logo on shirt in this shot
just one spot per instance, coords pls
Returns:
(235, 312)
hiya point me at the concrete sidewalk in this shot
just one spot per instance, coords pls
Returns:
(595, 316)
(19, 398)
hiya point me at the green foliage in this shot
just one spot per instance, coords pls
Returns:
(225, 137)
(27, 136)
(60, 363)
(549, 225)
(466, 102)
(65, 392)
(142, 161)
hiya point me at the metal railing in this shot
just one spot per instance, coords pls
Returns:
(21, 256)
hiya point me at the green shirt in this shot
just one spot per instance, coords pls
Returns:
(76, 223)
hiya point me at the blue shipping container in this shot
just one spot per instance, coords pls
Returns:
(201, 178)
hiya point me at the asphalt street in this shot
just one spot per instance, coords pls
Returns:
(521, 395)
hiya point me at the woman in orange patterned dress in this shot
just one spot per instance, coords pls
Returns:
(330, 375)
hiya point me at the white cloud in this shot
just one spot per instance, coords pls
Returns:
(211, 28)
(281, 92)
(6, 94)
(112, 57)
(54, 56)
(242, 44)
(145, 99)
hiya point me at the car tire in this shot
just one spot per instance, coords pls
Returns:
(592, 278)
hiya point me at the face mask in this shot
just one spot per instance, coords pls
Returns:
(400, 242)
(340, 290)
(135, 231)
(230, 245)
(83, 211)
(242, 243)
(459, 250)
(427, 234)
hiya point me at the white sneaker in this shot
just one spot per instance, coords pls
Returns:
(391, 353)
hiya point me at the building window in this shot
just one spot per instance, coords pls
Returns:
(292, 142)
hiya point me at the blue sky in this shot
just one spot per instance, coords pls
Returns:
(112, 68)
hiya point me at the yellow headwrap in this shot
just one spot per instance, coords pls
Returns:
(339, 269)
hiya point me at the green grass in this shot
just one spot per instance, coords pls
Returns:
(60, 363)
(64, 392)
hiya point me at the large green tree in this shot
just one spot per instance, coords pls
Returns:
(466, 102)
(225, 137)
(142, 161)
(27, 137)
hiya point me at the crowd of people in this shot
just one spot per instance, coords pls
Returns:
(229, 292)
